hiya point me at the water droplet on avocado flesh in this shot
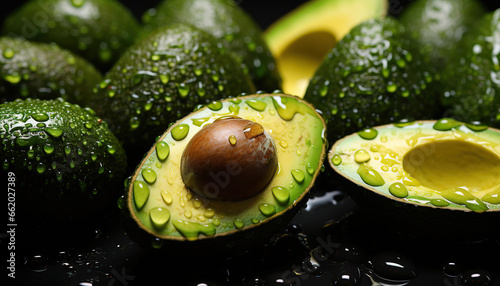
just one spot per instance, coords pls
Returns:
(193, 215)
(444, 163)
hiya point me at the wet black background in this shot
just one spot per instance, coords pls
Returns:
(332, 229)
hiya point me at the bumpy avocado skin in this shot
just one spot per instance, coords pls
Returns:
(472, 93)
(66, 162)
(163, 78)
(232, 27)
(375, 75)
(98, 30)
(44, 71)
(439, 25)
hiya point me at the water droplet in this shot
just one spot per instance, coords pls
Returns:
(370, 176)
(167, 197)
(476, 126)
(13, 78)
(475, 277)
(8, 53)
(40, 168)
(403, 123)
(191, 230)
(238, 223)
(361, 156)
(159, 216)
(78, 3)
(368, 134)
(67, 149)
(40, 117)
(440, 203)
(298, 175)
(164, 78)
(392, 88)
(183, 89)
(149, 176)
(336, 160)
(215, 105)
(256, 104)
(111, 149)
(141, 194)
(267, 209)
(48, 148)
(463, 197)
(345, 273)
(393, 267)
(281, 194)
(310, 169)
(446, 124)
(199, 121)
(232, 140)
(398, 190)
(54, 132)
(162, 150)
(180, 132)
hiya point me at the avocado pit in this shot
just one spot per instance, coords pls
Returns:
(230, 159)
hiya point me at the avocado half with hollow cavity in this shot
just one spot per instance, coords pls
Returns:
(228, 175)
(428, 173)
(300, 40)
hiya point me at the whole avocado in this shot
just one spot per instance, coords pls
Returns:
(374, 75)
(475, 96)
(65, 160)
(231, 26)
(39, 70)
(162, 78)
(98, 30)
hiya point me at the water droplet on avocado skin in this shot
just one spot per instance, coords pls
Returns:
(141, 194)
(267, 209)
(281, 194)
(370, 176)
(298, 175)
(159, 216)
(162, 151)
(149, 176)
(368, 134)
(361, 156)
(180, 132)
(336, 160)
(398, 190)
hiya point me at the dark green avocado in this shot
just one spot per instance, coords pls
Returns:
(163, 78)
(439, 25)
(44, 71)
(231, 26)
(439, 176)
(226, 176)
(98, 30)
(374, 75)
(65, 160)
(475, 97)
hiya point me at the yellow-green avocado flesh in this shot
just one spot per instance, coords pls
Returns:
(162, 206)
(300, 40)
(436, 164)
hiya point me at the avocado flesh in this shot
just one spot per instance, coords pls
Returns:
(99, 31)
(373, 76)
(231, 26)
(475, 96)
(66, 161)
(298, 132)
(300, 40)
(439, 25)
(162, 78)
(438, 164)
(44, 71)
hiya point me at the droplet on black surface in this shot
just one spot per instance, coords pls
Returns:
(38, 263)
(452, 268)
(476, 277)
(392, 267)
(346, 274)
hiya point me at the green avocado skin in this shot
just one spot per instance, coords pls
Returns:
(44, 71)
(439, 25)
(65, 160)
(98, 30)
(231, 26)
(373, 76)
(163, 78)
(474, 94)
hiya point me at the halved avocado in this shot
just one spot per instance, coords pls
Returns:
(227, 175)
(300, 40)
(433, 173)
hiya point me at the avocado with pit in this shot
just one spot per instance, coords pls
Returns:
(231, 26)
(226, 176)
(439, 25)
(66, 162)
(44, 71)
(374, 75)
(302, 38)
(97, 30)
(475, 97)
(440, 175)
(162, 78)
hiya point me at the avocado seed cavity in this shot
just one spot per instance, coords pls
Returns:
(230, 159)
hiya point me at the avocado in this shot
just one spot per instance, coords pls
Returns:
(227, 175)
(431, 173)
(97, 30)
(44, 71)
(374, 75)
(231, 26)
(475, 96)
(439, 25)
(162, 78)
(65, 160)
(302, 38)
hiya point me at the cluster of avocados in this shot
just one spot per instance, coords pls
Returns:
(177, 101)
